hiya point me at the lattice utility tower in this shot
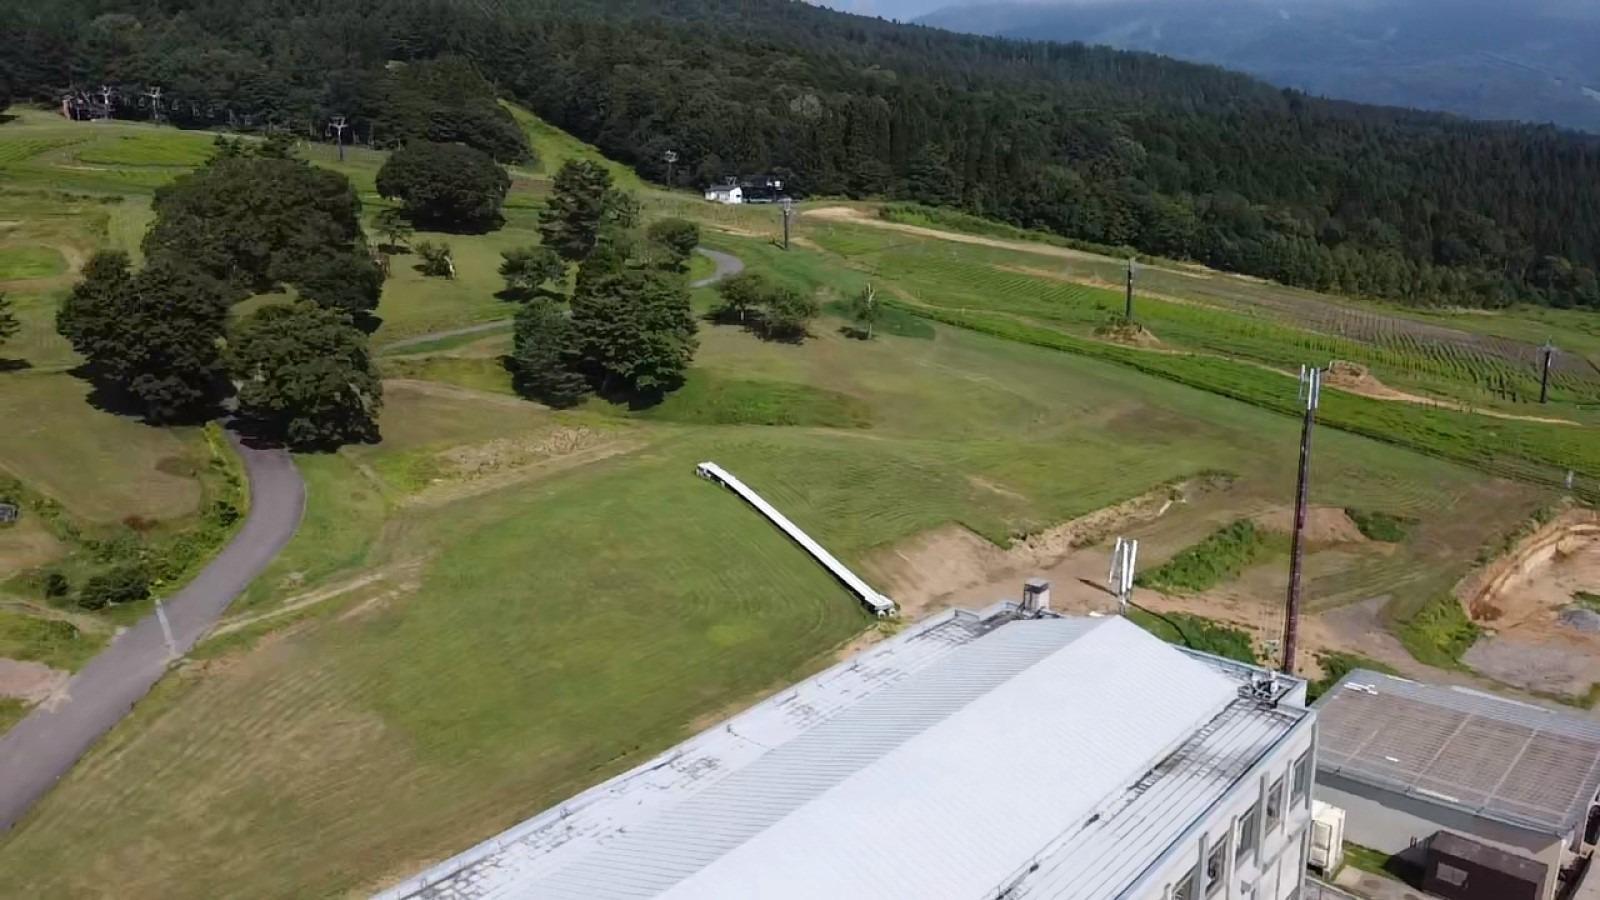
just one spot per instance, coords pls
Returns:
(1311, 396)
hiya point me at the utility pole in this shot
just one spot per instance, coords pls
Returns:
(105, 101)
(788, 214)
(154, 93)
(1544, 378)
(1311, 393)
(337, 125)
(1128, 311)
(671, 156)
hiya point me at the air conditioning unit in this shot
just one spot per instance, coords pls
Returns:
(1327, 838)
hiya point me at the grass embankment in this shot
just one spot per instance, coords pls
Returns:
(1380, 526)
(1439, 633)
(1336, 664)
(1217, 559)
(1196, 633)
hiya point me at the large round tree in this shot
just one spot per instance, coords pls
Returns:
(152, 338)
(305, 376)
(451, 187)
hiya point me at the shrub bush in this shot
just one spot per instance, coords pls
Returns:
(124, 584)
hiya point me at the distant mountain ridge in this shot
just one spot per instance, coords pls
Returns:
(1536, 62)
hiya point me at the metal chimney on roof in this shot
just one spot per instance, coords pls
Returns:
(1036, 595)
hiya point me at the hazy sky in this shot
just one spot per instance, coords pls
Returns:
(906, 10)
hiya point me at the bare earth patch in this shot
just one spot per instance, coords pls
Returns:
(945, 566)
(1524, 600)
(1355, 378)
(1325, 525)
(475, 470)
(30, 682)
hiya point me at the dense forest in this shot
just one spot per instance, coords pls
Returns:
(1112, 147)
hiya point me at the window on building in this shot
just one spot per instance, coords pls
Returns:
(1216, 865)
(1275, 803)
(1184, 890)
(1302, 779)
(1247, 833)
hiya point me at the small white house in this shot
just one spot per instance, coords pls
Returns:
(727, 192)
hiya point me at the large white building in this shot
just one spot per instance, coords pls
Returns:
(988, 755)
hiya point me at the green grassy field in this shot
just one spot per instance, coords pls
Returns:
(499, 604)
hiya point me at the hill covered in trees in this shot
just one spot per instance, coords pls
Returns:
(1107, 146)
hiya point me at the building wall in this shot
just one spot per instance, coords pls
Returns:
(1273, 871)
(1399, 825)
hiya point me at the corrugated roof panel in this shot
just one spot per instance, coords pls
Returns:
(1513, 761)
(1002, 771)
(939, 763)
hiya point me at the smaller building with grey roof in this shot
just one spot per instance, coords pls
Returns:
(1408, 761)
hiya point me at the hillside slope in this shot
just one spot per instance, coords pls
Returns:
(1111, 147)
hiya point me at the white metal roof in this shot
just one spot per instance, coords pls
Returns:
(939, 764)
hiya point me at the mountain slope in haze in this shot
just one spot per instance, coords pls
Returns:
(1483, 59)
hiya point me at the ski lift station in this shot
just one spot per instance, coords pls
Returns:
(1005, 753)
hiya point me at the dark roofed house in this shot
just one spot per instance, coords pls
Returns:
(1409, 762)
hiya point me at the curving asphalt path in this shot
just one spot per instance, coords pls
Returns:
(728, 266)
(45, 745)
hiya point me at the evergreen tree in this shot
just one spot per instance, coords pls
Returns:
(526, 269)
(545, 351)
(583, 204)
(305, 376)
(634, 329)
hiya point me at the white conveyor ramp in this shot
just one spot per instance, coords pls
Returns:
(874, 601)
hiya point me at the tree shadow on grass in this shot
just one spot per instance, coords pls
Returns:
(109, 397)
(14, 365)
(854, 333)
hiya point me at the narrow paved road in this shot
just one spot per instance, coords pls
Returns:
(728, 266)
(41, 748)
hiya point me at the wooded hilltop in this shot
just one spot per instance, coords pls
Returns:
(1116, 148)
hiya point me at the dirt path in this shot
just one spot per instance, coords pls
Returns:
(456, 392)
(1357, 380)
(45, 745)
(430, 337)
(859, 217)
